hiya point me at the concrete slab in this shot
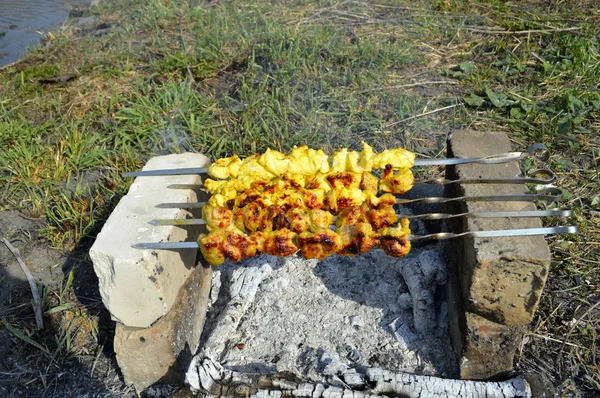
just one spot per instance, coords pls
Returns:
(139, 286)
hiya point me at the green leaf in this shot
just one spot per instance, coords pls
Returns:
(501, 62)
(60, 308)
(516, 113)
(564, 126)
(596, 201)
(467, 67)
(17, 333)
(70, 279)
(572, 103)
(527, 106)
(474, 100)
(498, 99)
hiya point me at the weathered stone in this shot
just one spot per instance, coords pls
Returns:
(158, 353)
(489, 348)
(140, 286)
(501, 278)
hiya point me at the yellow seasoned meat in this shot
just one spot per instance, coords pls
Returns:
(250, 196)
(217, 217)
(387, 199)
(287, 198)
(319, 244)
(298, 219)
(226, 188)
(352, 215)
(399, 158)
(258, 240)
(353, 162)
(384, 217)
(344, 179)
(365, 157)
(274, 219)
(251, 171)
(399, 183)
(356, 239)
(218, 200)
(319, 219)
(394, 241)
(368, 182)
(307, 161)
(338, 161)
(211, 246)
(238, 218)
(238, 246)
(225, 167)
(295, 180)
(280, 242)
(339, 198)
(231, 244)
(319, 181)
(313, 198)
(253, 216)
(274, 161)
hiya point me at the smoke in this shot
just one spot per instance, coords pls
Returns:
(172, 139)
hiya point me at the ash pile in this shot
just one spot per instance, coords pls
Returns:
(326, 320)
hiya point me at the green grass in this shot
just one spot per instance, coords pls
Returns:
(241, 76)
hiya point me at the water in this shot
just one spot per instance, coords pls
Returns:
(19, 20)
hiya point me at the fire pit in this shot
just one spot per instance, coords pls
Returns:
(343, 322)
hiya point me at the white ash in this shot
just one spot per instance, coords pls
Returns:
(321, 319)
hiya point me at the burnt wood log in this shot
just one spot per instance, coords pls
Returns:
(214, 380)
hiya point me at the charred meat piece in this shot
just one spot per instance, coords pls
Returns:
(387, 199)
(344, 179)
(319, 219)
(384, 217)
(320, 244)
(217, 217)
(357, 239)
(340, 198)
(299, 219)
(253, 216)
(211, 246)
(280, 243)
(399, 183)
(394, 240)
(352, 215)
(313, 198)
(368, 182)
(237, 246)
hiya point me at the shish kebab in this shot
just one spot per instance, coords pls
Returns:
(537, 151)
(361, 227)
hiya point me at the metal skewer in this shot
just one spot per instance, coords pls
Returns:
(430, 216)
(537, 176)
(536, 151)
(437, 236)
(547, 193)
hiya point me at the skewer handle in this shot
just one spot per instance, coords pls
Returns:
(550, 194)
(571, 229)
(537, 151)
(430, 216)
(439, 236)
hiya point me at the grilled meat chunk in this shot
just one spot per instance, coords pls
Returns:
(357, 239)
(319, 244)
(280, 243)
